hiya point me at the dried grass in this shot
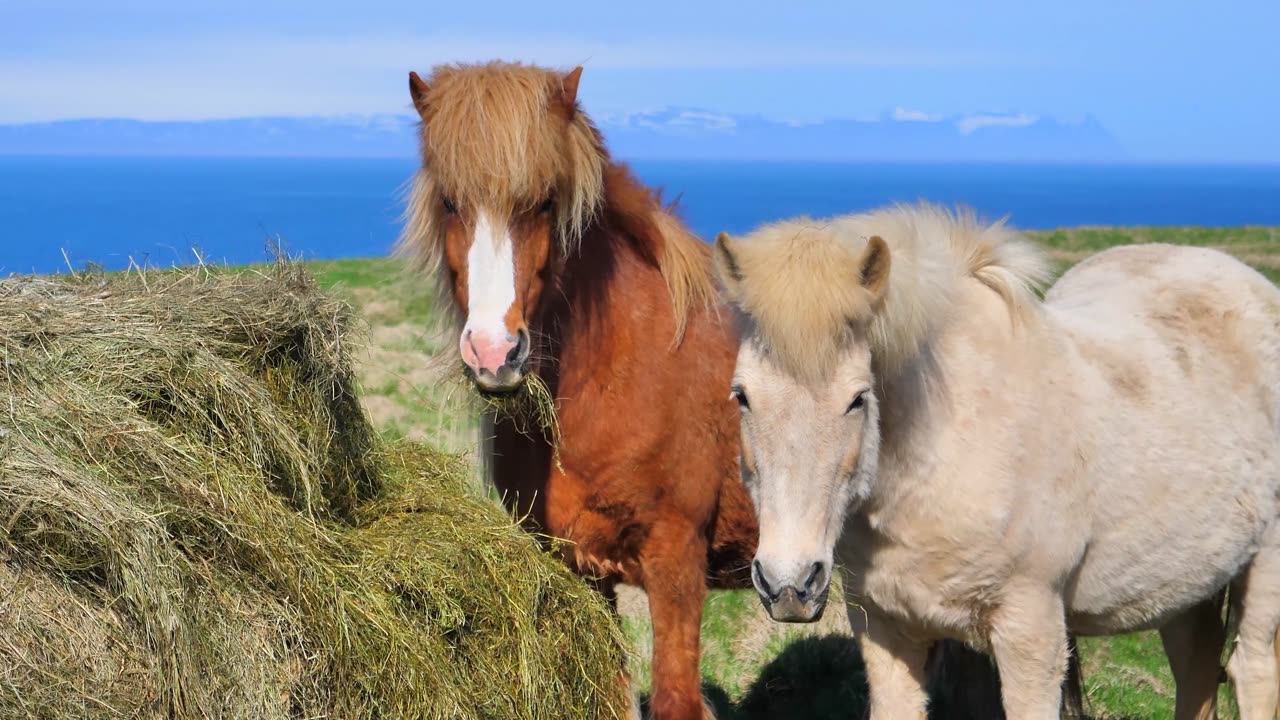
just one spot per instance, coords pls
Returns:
(196, 520)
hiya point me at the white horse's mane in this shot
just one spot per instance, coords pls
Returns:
(798, 282)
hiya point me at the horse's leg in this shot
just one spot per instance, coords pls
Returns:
(1252, 666)
(964, 683)
(895, 666)
(674, 565)
(1029, 641)
(1193, 642)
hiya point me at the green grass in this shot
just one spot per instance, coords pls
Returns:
(384, 279)
(1259, 246)
(1098, 238)
(401, 383)
(751, 667)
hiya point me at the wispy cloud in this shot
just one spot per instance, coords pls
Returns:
(902, 114)
(226, 76)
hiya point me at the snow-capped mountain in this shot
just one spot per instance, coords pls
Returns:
(899, 135)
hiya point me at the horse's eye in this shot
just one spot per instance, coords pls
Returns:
(741, 396)
(546, 206)
(859, 401)
(449, 207)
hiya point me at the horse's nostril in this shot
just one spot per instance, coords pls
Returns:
(761, 584)
(815, 573)
(517, 354)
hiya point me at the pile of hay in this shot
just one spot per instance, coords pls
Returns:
(196, 521)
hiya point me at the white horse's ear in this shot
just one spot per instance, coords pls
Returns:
(418, 90)
(873, 268)
(726, 264)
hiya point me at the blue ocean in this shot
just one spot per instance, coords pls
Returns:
(60, 212)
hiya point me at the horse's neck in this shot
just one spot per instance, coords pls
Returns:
(960, 386)
(610, 300)
(911, 406)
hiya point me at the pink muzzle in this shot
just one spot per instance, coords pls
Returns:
(486, 351)
(496, 359)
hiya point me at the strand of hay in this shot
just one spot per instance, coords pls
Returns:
(531, 407)
(197, 521)
(532, 410)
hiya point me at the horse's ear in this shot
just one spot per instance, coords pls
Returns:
(569, 89)
(726, 263)
(873, 267)
(418, 91)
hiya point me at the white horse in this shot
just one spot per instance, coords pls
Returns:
(991, 468)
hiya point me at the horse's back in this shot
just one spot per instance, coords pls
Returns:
(1174, 353)
(1197, 310)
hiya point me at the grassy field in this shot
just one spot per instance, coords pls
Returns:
(752, 668)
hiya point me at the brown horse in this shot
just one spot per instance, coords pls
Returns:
(560, 264)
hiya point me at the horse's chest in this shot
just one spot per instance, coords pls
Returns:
(603, 531)
(932, 589)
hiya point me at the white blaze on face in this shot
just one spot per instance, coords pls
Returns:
(491, 291)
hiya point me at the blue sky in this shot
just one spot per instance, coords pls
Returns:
(1171, 80)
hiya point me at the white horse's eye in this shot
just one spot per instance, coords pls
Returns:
(737, 393)
(859, 401)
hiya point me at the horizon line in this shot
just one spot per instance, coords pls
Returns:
(1134, 163)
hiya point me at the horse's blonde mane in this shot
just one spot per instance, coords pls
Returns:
(685, 262)
(499, 135)
(798, 282)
